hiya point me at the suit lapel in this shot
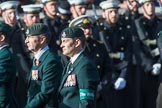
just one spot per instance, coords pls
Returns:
(65, 75)
(42, 59)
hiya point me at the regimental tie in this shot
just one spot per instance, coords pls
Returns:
(69, 68)
(34, 61)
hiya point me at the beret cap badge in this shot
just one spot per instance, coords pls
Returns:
(37, 29)
(27, 31)
(63, 34)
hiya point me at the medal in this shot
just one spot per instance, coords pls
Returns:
(37, 62)
(34, 74)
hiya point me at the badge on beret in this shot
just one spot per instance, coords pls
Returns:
(63, 34)
(27, 31)
(34, 74)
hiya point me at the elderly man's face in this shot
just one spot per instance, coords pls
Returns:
(33, 43)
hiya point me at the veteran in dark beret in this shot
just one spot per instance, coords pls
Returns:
(80, 77)
(46, 70)
(17, 43)
(7, 69)
(97, 52)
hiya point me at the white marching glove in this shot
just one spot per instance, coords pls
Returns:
(156, 69)
(120, 83)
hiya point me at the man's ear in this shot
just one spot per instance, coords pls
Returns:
(2, 37)
(71, 8)
(44, 8)
(77, 42)
(43, 39)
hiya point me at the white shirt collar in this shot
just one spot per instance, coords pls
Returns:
(38, 55)
(3, 46)
(72, 59)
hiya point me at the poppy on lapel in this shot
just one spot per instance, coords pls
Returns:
(37, 62)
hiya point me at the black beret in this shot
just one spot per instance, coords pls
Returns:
(72, 32)
(37, 29)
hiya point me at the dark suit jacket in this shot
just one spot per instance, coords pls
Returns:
(42, 91)
(78, 86)
(7, 75)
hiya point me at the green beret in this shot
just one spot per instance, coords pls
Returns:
(5, 29)
(72, 32)
(37, 29)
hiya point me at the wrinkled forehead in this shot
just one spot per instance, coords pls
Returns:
(32, 37)
(67, 39)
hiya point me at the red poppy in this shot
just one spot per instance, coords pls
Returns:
(37, 62)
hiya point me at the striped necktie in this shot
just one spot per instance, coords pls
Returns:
(34, 60)
(68, 67)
